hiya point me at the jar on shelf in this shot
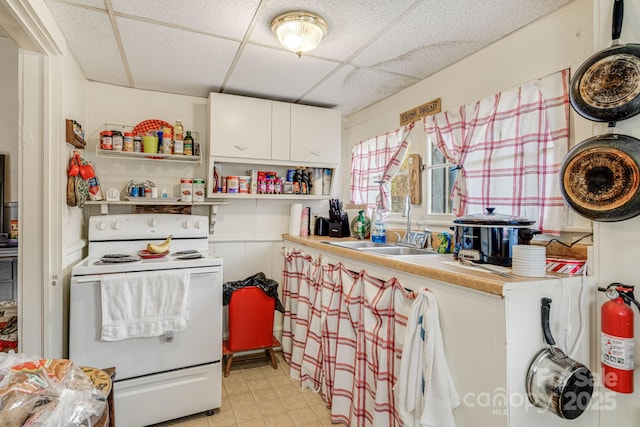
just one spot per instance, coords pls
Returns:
(106, 140)
(127, 142)
(117, 140)
(186, 189)
(198, 190)
(137, 144)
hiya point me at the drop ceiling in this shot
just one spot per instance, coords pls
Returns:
(194, 47)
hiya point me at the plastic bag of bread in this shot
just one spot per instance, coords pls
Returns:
(48, 392)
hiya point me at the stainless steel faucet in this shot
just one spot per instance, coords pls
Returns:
(406, 212)
(415, 239)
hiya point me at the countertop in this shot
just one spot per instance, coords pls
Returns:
(437, 266)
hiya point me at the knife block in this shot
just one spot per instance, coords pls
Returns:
(340, 229)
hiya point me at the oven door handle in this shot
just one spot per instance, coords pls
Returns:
(87, 279)
(196, 272)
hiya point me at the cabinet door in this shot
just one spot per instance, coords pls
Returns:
(240, 126)
(280, 130)
(315, 134)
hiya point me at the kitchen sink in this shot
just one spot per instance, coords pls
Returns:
(382, 249)
(361, 244)
(396, 251)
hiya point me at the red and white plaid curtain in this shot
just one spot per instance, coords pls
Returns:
(509, 148)
(374, 162)
(343, 335)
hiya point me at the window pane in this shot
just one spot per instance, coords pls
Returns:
(442, 175)
(442, 179)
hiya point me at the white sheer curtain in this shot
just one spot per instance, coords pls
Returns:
(374, 162)
(509, 148)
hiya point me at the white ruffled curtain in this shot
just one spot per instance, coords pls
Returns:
(374, 162)
(509, 148)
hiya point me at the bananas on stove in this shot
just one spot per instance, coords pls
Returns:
(162, 248)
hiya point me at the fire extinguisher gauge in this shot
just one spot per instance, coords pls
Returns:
(615, 290)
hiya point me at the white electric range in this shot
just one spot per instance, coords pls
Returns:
(161, 377)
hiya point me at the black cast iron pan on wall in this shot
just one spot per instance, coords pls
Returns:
(606, 88)
(600, 178)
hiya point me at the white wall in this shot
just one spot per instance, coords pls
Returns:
(9, 114)
(618, 243)
(560, 40)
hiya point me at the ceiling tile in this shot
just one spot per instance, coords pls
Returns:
(229, 18)
(90, 37)
(351, 88)
(171, 60)
(278, 74)
(449, 30)
(351, 23)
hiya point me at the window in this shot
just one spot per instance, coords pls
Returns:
(441, 177)
(507, 150)
(374, 162)
(400, 186)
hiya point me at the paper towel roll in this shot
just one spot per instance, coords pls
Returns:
(295, 218)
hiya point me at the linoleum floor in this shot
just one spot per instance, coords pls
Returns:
(254, 394)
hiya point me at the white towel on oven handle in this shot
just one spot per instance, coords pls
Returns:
(144, 304)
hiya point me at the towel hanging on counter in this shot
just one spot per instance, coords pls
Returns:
(144, 304)
(425, 392)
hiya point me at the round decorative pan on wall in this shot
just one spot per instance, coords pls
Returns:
(600, 178)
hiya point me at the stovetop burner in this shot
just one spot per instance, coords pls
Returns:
(116, 259)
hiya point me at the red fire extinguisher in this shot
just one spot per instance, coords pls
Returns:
(616, 338)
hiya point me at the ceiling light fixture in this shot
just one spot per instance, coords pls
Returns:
(299, 31)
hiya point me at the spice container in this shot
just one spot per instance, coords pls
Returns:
(178, 146)
(127, 142)
(137, 144)
(106, 140)
(186, 189)
(232, 184)
(117, 140)
(243, 184)
(167, 144)
(198, 190)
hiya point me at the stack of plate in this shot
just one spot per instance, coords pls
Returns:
(529, 260)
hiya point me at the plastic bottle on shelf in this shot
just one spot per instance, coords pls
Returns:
(178, 130)
(379, 232)
(360, 225)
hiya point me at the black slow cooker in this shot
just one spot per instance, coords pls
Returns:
(488, 238)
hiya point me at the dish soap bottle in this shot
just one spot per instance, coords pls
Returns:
(379, 232)
(360, 225)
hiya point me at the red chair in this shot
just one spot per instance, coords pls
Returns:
(251, 313)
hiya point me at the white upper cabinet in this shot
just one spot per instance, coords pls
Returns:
(280, 130)
(252, 129)
(315, 134)
(240, 126)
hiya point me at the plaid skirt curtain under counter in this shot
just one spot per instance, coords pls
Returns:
(345, 337)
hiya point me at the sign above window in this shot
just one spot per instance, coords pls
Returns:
(426, 109)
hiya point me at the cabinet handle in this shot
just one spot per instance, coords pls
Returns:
(241, 147)
(315, 153)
